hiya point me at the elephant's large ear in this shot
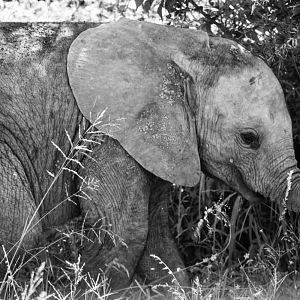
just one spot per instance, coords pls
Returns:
(137, 71)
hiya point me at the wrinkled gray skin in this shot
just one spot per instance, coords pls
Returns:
(185, 99)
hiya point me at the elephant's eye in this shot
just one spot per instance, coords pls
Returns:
(250, 139)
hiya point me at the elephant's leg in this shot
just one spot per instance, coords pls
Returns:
(117, 194)
(160, 242)
(18, 209)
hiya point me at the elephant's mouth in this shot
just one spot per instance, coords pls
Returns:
(241, 187)
(237, 183)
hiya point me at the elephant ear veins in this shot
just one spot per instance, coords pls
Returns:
(127, 68)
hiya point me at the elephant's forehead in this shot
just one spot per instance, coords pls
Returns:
(254, 93)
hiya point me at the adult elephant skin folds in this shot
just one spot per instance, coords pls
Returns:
(183, 103)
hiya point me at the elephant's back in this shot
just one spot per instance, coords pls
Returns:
(34, 86)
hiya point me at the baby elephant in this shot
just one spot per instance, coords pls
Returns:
(98, 121)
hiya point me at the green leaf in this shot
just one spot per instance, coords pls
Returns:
(170, 5)
(138, 3)
(296, 11)
(147, 5)
(159, 10)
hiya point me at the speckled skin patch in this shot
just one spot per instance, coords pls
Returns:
(19, 40)
(171, 85)
(153, 120)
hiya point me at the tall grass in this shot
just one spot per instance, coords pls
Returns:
(223, 237)
(65, 241)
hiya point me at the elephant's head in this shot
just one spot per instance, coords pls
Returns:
(182, 98)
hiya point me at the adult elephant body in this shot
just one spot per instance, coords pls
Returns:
(178, 97)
